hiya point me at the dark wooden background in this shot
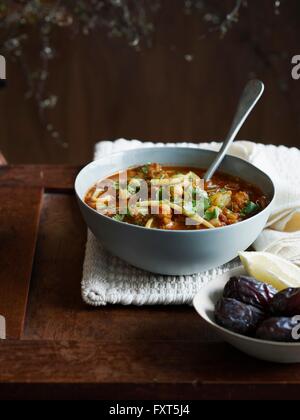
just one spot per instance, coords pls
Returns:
(108, 90)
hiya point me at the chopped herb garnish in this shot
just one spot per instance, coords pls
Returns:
(131, 189)
(159, 194)
(212, 214)
(206, 204)
(118, 217)
(249, 208)
(201, 205)
(198, 195)
(195, 194)
(128, 213)
(145, 169)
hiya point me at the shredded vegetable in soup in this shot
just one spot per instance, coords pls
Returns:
(175, 198)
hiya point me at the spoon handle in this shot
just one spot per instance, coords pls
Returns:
(251, 94)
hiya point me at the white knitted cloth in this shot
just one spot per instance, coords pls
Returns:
(108, 280)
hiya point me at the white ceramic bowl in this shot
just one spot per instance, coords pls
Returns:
(204, 303)
(177, 252)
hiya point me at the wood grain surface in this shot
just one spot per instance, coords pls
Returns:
(69, 350)
(19, 219)
(52, 178)
(140, 369)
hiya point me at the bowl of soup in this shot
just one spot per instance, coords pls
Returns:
(151, 207)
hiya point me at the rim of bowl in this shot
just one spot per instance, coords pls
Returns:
(180, 231)
(244, 337)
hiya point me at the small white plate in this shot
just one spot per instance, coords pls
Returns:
(204, 303)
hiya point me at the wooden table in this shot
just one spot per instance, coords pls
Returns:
(57, 347)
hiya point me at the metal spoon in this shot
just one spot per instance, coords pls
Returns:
(253, 91)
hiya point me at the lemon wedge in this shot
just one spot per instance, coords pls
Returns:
(271, 269)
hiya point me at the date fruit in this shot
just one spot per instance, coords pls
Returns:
(278, 329)
(250, 291)
(286, 303)
(237, 316)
